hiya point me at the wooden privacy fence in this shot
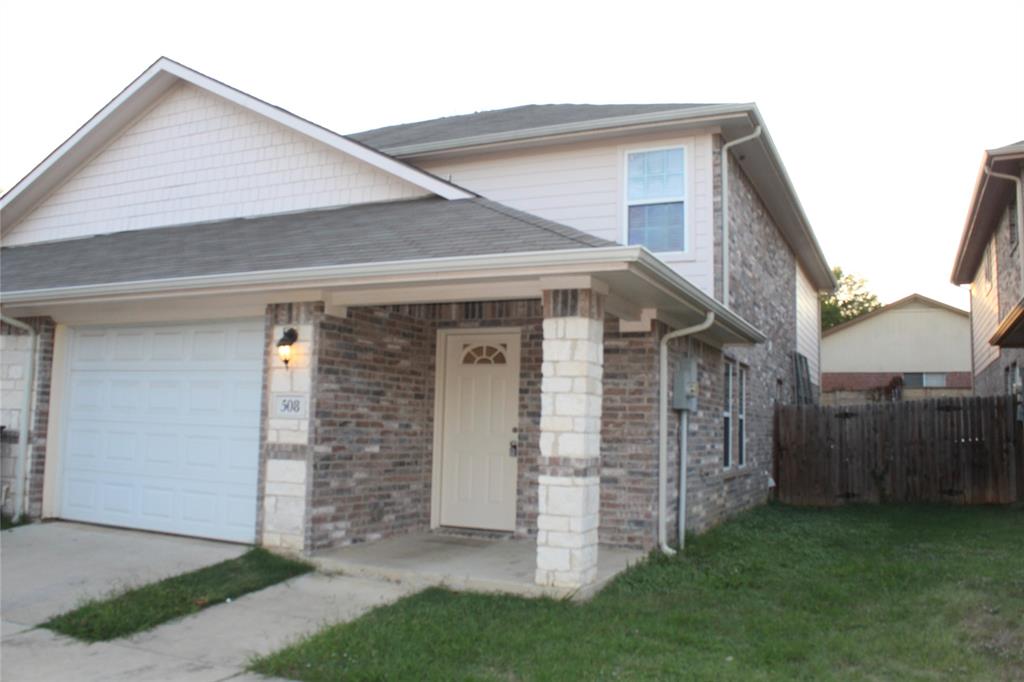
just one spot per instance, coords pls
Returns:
(960, 450)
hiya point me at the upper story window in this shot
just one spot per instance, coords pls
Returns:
(656, 199)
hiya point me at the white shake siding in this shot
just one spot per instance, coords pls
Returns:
(197, 157)
(808, 324)
(583, 185)
(984, 312)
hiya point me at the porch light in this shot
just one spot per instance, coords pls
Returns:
(284, 345)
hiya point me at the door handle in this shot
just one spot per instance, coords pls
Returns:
(513, 448)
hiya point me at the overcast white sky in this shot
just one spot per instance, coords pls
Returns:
(881, 110)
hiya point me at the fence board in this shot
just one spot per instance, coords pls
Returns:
(959, 450)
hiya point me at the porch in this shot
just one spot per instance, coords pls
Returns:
(465, 562)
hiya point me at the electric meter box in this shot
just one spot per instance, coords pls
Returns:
(686, 386)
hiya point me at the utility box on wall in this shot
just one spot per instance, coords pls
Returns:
(686, 386)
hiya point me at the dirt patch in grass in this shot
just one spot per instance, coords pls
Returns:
(995, 633)
(147, 606)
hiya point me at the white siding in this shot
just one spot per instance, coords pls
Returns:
(808, 324)
(914, 337)
(582, 185)
(985, 310)
(196, 157)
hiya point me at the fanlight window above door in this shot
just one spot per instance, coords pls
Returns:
(484, 355)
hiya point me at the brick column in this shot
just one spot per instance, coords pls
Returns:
(288, 409)
(569, 492)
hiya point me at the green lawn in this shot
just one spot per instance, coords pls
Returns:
(144, 607)
(861, 593)
(6, 522)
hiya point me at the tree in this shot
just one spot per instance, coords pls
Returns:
(851, 299)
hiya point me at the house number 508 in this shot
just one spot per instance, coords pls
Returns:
(289, 405)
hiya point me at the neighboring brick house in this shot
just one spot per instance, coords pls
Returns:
(260, 330)
(912, 349)
(990, 259)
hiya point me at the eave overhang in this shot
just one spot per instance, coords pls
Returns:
(1010, 332)
(637, 283)
(990, 197)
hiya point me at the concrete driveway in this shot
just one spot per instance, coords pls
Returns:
(49, 568)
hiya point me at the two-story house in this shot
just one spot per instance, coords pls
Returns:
(990, 260)
(248, 327)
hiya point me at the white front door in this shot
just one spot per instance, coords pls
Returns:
(162, 428)
(480, 424)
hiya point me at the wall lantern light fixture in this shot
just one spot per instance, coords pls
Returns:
(284, 344)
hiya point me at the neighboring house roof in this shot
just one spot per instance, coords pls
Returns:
(903, 302)
(142, 93)
(513, 120)
(362, 233)
(990, 198)
(536, 125)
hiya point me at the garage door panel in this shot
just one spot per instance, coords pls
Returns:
(156, 503)
(163, 428)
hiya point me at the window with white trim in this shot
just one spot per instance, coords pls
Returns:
(656, 199)
(741, 418)
(924, 379)
(727, 391)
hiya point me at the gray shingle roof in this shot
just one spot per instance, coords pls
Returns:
(366, 233)
(502, 121)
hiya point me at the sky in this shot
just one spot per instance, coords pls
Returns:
(881, 110)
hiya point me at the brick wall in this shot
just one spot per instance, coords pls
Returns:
(991, 380)
(629, 438)
(374, 418)
(372, 463)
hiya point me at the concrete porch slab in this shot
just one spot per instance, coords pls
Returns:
(464, 563)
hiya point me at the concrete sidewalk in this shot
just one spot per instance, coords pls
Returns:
(49, 568)
(215, 644)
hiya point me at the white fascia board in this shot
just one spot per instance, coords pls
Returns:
(435, 270)
(324, 277)
(708, 114)
(155, 81)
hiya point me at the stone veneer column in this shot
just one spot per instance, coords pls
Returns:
(569, 492)
(287, 442)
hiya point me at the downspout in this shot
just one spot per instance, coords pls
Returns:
(684, 426)
(1020, 211)
(663, 426)
(725, 209)
(21, 459)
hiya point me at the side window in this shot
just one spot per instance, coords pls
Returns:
(727, 396)
(1011, 221)
(656, 199)
(741, 418)
(986, 268)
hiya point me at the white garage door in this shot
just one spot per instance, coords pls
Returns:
(162, 428)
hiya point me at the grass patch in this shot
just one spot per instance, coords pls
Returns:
(145, 607)
(861, 593)
(7, 522)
